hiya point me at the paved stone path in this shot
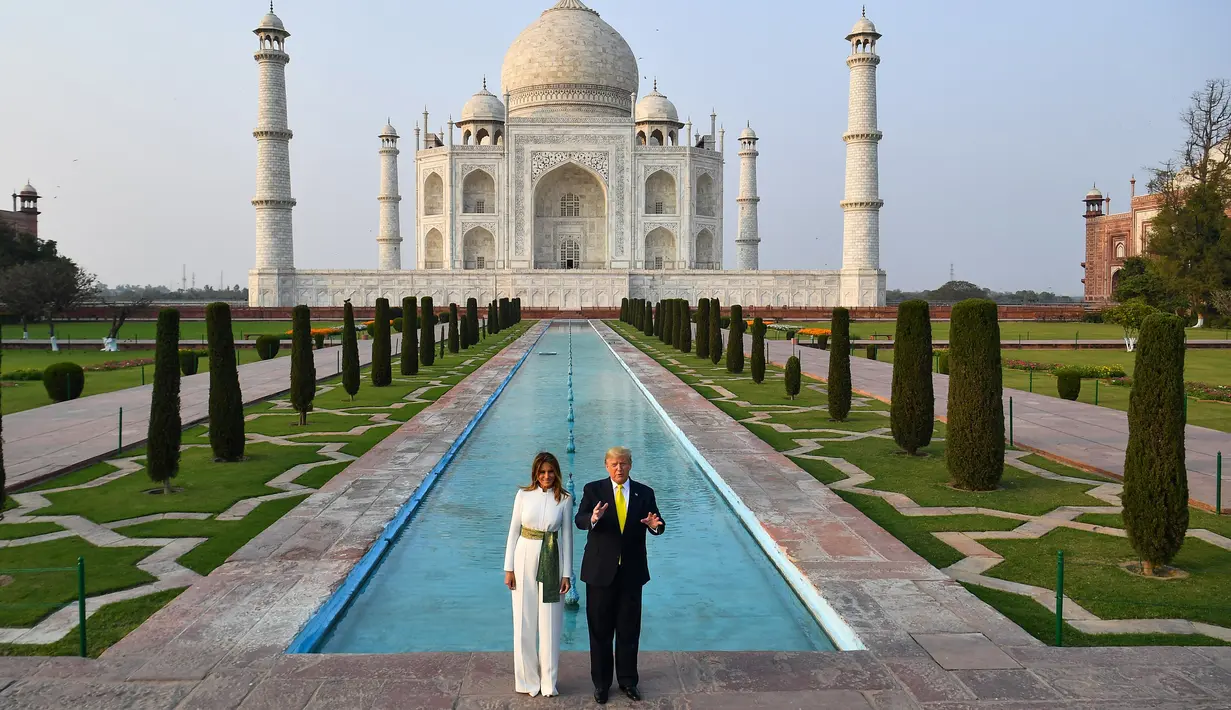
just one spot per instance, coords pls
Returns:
(931, 644)
(44, 441)
(1084, 435)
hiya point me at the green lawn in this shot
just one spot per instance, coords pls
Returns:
(23, 395)
(1011, 330)
(1097, 582)
(145, 330)
(207, 487)
(1197, 520)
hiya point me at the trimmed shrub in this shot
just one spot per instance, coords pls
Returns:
(303, 364)
(162, 459)
(715, 331)
(1155, 494)
(226, 401)
(1068, 384)
(382, 363)
(912, 402)
(350, 351)
(647, 318)
(942, 362)
(703, 328)
(427, 332)
(838, 386)
(410, 337)
(793, 376)
(472, 320)
(725, 322)
(758, 350)
(1092, 317)
(658, 320)
(267, 346)
(624, 309)
(735, 341)
(822, 342)
(974, 452)
(397, 325)
(27, 374)
(318, 340)
(190, 361)
(685, 325)
(455, 337)
(870, 352)
(506, 313)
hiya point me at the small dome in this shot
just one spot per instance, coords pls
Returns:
(483, 106)
(863, 26)
(389, 130)
(1094, 194)
(654, 107)
(747, 133)
(271, 22)
(28, 190)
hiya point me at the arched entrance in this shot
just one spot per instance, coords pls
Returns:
(570, 219)
(478, 249)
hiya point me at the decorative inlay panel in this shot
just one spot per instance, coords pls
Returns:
(543, 161)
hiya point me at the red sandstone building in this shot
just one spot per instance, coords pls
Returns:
(24, 217)
(1112, 238)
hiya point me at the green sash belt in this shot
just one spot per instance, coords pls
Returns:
(549, 563)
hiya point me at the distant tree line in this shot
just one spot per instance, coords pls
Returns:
(133, 292)
(955, 291)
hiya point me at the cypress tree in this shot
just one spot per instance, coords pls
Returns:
(735, 341)
(162, 459)
(974, 439)
(226, 402)
(669, 322)
(506, 314)
(703, 328)
(1155, 494)
(758, 350)
(792, 379)
(912, 407)
(658, 320)
(686, 319)
(350, 351)
(624, 310)
(647, 318)
(382, 365)
(427, 333)
(715, 331)
(838, 386)
(472, 320)
(303, 364)
(454, 335)
(677, 322)
(410, 338)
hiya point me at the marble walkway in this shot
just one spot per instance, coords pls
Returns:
(42, 442)
(1082, 435)
(930, 644)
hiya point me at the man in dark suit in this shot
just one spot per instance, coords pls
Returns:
(617, 512)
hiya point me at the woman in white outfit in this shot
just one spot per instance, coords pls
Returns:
(538, 569)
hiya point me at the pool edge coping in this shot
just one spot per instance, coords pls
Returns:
(323, 620)
(843, 636)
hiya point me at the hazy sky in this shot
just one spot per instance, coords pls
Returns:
(134, 120)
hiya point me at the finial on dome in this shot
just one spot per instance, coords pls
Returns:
(271, 5)
(864, 11)
(485, 82)
(655, 84)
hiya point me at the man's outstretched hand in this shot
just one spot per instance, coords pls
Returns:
(599, 509)
(652, 521)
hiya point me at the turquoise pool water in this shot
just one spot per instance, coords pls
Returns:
(440, 586)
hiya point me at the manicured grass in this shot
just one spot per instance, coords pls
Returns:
(105, 627)
(35, 595)
(1041, 624)
(76, 478)
(208, 486)
(319, 476)
(916, 532)
(1093, 578)
(360, 445)
(286, 423)
(1010, 330)
(1197, 520)
(225, 537)
(1200, 365)
(1048, 465)
(16, 531)
(144, 330)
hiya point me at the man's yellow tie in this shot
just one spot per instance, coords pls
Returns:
(621, 506)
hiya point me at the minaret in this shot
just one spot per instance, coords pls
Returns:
(748, 240)
(862, 281)
(389, 240)
(273, 201)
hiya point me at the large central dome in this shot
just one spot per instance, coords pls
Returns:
(569, 62)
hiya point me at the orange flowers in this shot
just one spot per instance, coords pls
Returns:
(814, 331)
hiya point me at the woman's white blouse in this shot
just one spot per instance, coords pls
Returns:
(538, 510)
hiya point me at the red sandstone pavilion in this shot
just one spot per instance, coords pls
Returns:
(1112, 238)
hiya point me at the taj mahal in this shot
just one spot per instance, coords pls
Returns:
(567, 190)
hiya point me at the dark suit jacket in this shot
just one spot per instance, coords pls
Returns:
(606, 547)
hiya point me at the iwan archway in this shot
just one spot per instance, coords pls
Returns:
(570, 219)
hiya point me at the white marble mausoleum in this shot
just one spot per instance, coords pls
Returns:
(567, 190)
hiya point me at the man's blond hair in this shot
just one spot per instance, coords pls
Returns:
(618, 452)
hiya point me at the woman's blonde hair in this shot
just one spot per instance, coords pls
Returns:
(557, 487)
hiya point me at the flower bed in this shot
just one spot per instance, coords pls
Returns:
(1101, 372)
(1197, 390)
(118, 365)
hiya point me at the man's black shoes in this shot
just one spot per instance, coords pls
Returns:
(631, 691)
(600, 696)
